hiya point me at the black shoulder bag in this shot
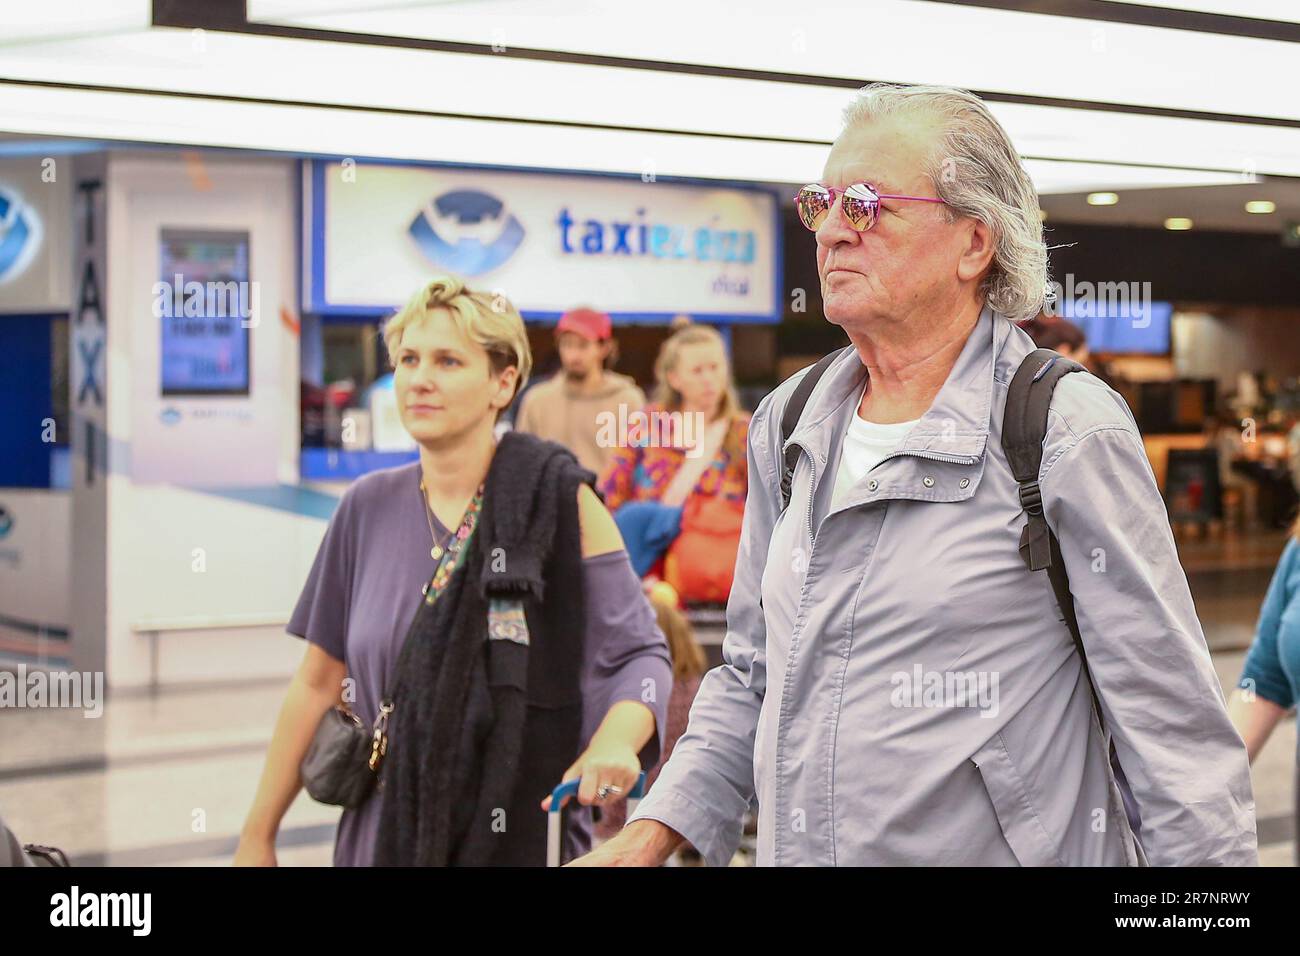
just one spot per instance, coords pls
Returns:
(341, 765)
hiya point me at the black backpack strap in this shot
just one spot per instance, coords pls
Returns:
(1024, 427)
(790, 418)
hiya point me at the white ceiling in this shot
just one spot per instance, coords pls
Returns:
(905, 41)
(106, 74)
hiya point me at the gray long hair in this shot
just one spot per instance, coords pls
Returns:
(977, 172)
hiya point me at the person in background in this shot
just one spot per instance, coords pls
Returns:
(693, 377)
(571, 407)
(1059, 335)
(1270, 678)
(689, 665)
(499, 614)
(677, 487)
(1062, 335)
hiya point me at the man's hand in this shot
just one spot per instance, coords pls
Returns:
(640, 843)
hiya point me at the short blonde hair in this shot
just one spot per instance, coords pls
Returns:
(490, 320)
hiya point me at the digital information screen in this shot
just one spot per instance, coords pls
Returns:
(1137, 327)
(204, 304)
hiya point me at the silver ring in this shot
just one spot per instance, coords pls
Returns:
(606, 789)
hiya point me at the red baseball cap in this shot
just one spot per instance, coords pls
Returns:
(588, 323)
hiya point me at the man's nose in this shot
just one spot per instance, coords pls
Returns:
(835, 228)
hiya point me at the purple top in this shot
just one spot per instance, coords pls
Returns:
(364, 588)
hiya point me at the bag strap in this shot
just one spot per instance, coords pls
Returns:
(1024, 427)
(794, 407)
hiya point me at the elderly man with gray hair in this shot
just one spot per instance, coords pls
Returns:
(899, 685)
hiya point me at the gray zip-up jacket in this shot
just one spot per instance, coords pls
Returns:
(898, 689)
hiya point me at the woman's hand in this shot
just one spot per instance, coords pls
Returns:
(612, 764)
(255, 851)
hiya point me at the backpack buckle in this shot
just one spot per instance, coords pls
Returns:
(1031, 498)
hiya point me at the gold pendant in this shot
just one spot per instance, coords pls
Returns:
(435, 552)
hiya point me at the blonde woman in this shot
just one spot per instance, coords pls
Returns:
(482, 593)
(693, 378)
(678, 486)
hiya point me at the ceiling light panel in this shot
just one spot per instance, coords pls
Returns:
(22, 21)
(216, 123)
(297, 71)
(909, 41)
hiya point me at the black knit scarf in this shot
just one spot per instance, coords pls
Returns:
(484, 728)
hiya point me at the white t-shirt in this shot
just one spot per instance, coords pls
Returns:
(866, 444)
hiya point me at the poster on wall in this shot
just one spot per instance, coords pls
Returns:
(35, 236)
(204, 301)
(641, 251)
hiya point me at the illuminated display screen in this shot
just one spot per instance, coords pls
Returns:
(205, 304)
(1129, 327)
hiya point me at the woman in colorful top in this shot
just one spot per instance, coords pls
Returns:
(483, 595)
(665, 456)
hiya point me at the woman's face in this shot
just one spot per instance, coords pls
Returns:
(445, 385)
(700, 375)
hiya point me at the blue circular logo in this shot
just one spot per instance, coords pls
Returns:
(6, 521)
(19, 235)
(467, 231)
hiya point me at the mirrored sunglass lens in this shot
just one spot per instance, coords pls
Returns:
(860, 206)
(814, 204)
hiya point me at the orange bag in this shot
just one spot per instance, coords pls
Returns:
(701, 561)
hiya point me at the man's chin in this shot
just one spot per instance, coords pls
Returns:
(837, 313)
(844, 310)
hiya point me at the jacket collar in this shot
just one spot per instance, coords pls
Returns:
(957, 422)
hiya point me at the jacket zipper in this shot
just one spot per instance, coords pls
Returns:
(932, 456)
(812, 486)
(812, 490)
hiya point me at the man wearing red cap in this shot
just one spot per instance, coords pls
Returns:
(569, 407)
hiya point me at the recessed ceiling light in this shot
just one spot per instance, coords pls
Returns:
(1261, 206)
(1102, 199)
(1178, 223)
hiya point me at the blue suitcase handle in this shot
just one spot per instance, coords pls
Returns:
(570, 788)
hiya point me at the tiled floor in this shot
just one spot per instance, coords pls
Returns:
(167, 780)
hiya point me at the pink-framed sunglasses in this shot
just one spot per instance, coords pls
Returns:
(861, 204)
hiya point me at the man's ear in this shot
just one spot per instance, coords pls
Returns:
(977, 253)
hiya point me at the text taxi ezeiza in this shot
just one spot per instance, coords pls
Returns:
(639, 238)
